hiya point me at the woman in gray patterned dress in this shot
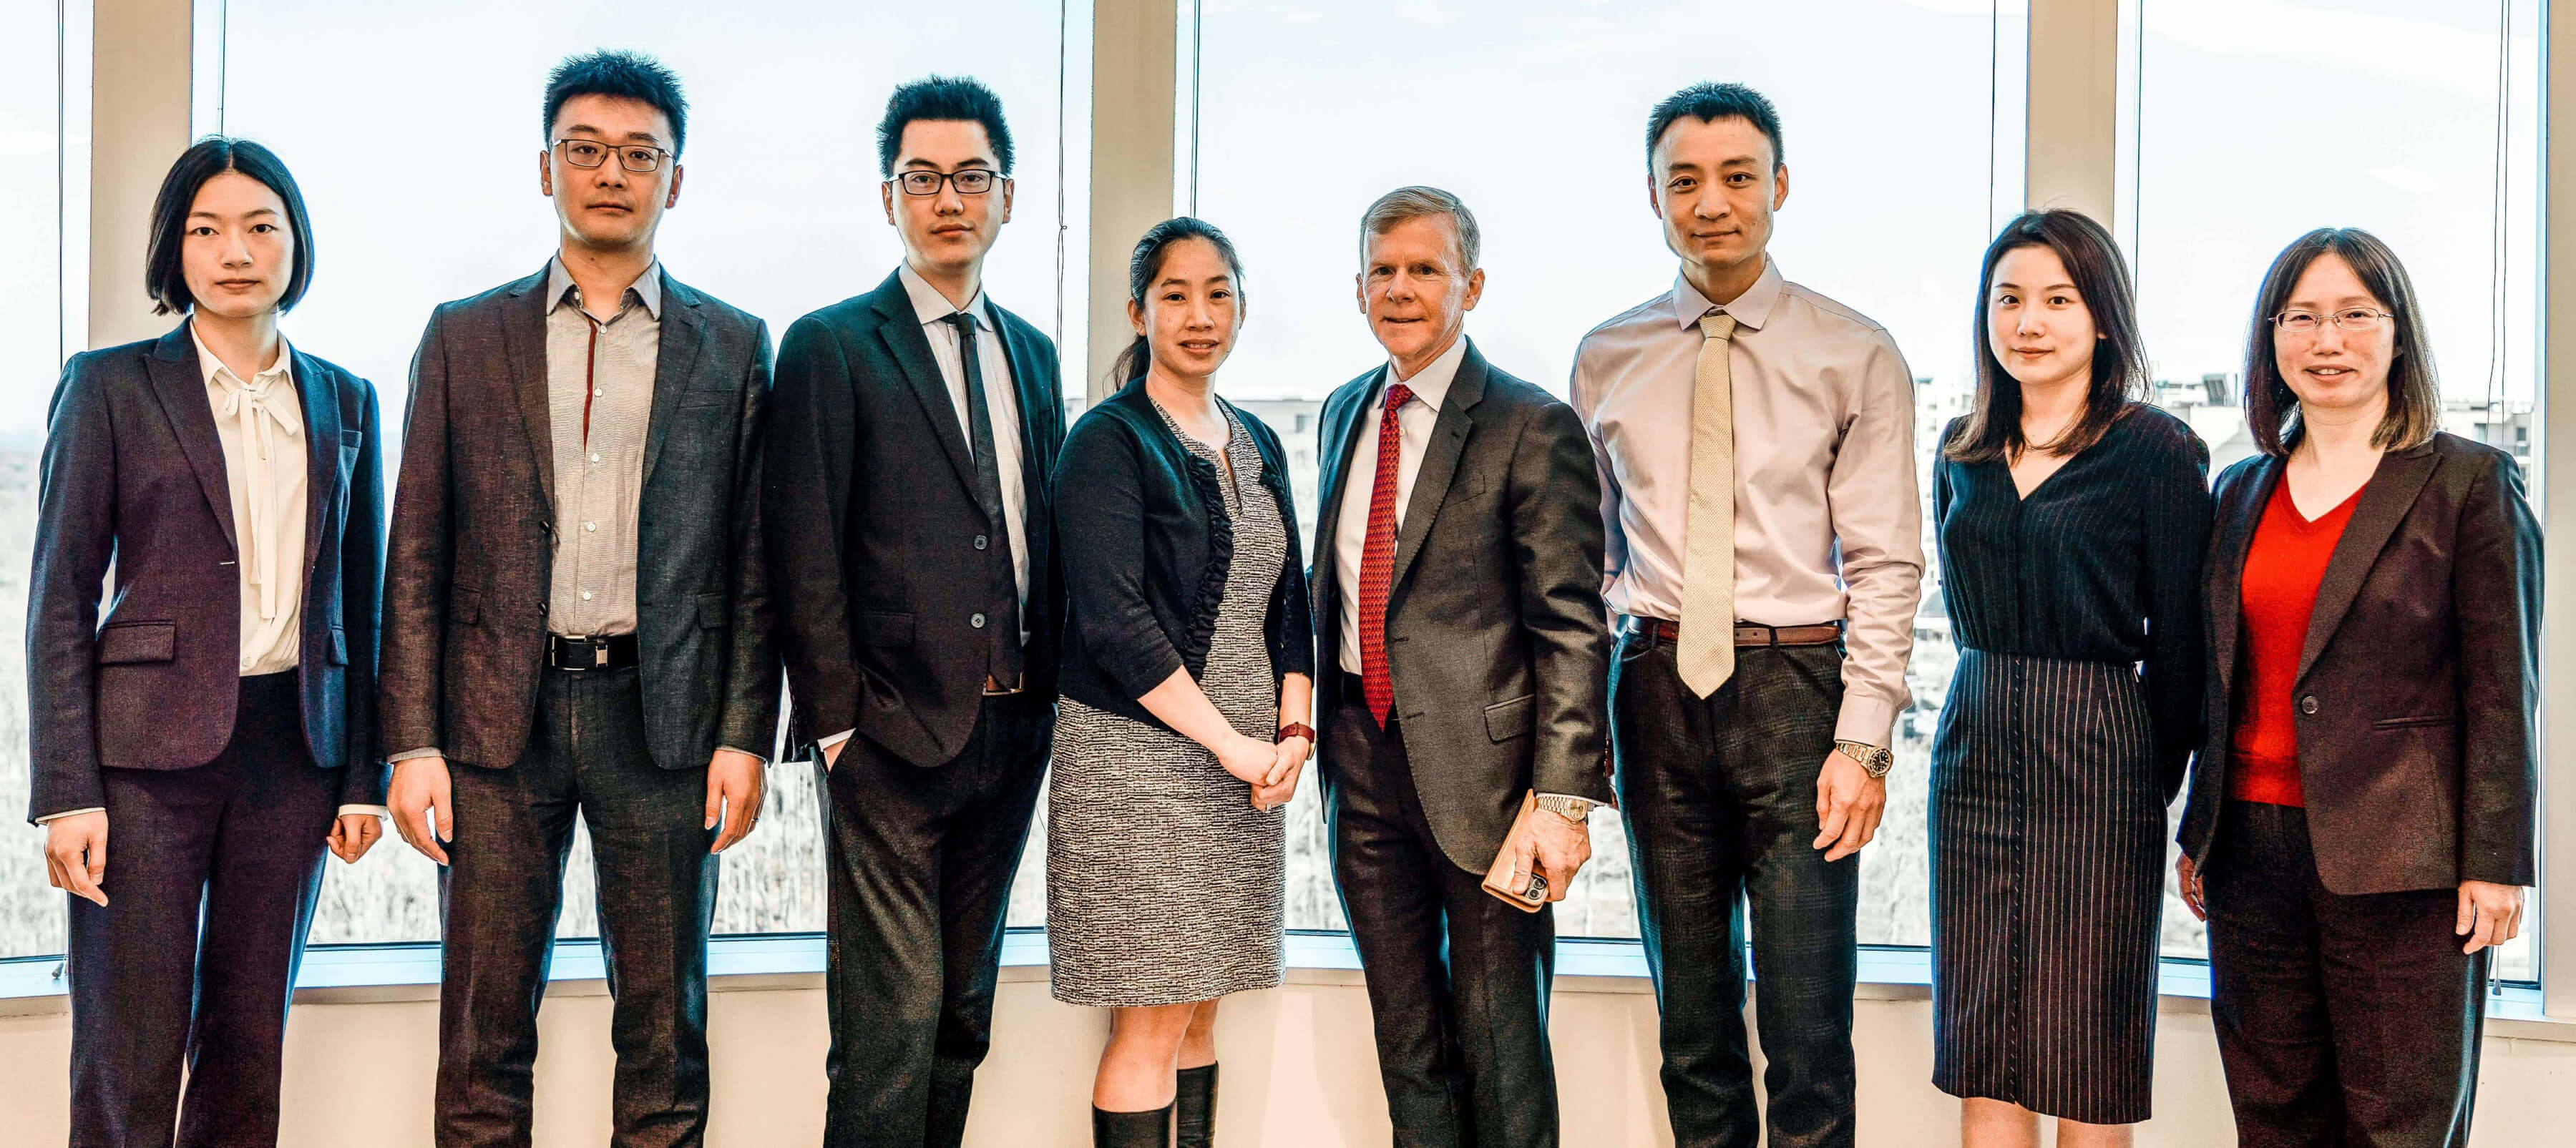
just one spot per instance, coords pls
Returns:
(1186, 686)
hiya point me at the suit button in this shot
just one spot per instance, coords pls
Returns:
(981, 542)
(2308, 704)
(977, 621)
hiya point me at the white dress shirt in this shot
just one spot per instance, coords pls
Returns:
(1414, 422)
(1828, 521)
(1001, 399)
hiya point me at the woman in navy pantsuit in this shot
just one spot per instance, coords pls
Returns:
(2071, 519)
(213, 717)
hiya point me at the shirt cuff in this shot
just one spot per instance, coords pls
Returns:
(761, 757)
(71, 812)
(409, 754)
(836, 739)
(377, 810)
(1866, 719)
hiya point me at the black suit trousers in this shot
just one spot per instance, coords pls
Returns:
(503, 889)
(2342, 1020)
(921, 867)
(210, 892)
(1457, 980)
(1720, 799)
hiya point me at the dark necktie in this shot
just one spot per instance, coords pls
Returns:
(1377, 558)
(1005, 665)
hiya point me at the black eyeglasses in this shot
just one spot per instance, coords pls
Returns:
(2350, 319)
(638, 158)
(972, 181)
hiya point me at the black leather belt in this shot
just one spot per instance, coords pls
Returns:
(605, 652)
(1353, 688)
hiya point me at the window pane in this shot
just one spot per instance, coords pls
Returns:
(32, 347)
(416, 142)
(1534, 114)
(2397, 117)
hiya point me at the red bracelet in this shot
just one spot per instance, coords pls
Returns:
(1297, 730)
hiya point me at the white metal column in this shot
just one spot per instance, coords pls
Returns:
(1132, 59)
(2074, 144)
(140, 69)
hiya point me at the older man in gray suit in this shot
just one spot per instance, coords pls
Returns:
(576, 624)
(1463, 662)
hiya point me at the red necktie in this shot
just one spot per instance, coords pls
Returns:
(1377, 558)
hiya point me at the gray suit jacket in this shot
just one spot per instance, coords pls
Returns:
(1497, 639)
(471, 559)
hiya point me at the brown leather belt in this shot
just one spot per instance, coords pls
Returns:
(1748, 634)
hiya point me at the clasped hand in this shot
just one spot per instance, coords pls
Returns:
(1271, 770)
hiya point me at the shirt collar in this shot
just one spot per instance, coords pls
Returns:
(647, 287)
(931, 306)
(213, 368)
(1751, 309)
(1431, 384)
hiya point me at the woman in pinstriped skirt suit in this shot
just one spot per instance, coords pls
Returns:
(2071, 521)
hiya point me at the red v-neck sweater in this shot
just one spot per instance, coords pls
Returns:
(2284, 565)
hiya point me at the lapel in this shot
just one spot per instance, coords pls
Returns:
(180, 382)
(319, 391)
(1035, 464)
(523, 347)
(2237, 521)
(1342, 427)
(684, 332)
(1439, 461)
(2384, 503)
(900, 329)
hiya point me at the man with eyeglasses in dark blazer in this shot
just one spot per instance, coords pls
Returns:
(576, 623)
(914, 432)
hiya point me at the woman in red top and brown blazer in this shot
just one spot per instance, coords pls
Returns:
(2361, 819)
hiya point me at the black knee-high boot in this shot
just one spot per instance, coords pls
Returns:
(1194, 1108)
(1132, 1129)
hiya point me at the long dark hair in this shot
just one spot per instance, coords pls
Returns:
(2414, 393)
(1146, 263)
(165, 272)
(1992, 429)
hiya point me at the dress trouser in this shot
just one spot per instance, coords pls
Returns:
(503, 889)
(1457, 980)
(921, 868)
(1719, 794)
(2343, 1021)
(210, 884)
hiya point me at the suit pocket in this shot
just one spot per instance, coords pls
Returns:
(129, 642)
(465, 607)
(1507, 720)
(878, 628)
(711, 610)
(2411, 722)
(698, 400)
(339, 646)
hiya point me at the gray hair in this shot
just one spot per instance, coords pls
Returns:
(1418, 202)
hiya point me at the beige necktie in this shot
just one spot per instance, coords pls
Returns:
(1706, 650)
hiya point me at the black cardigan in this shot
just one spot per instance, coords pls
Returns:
(1147, 545)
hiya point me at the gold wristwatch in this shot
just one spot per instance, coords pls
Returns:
(1874, 759)
(1574, 809)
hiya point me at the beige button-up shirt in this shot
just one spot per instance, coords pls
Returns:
(599, 395)
(1828, 518)
(261, 426)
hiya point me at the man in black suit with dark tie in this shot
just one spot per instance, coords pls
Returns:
(576, 622)
(1457, 590)
(914, 431)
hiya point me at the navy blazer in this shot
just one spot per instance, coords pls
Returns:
(133, 476)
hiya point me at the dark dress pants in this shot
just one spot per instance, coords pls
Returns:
(211, 878)
(1719, 794)
(1457, 980)
(503, 889)
(2343, 1021)
(921, 867)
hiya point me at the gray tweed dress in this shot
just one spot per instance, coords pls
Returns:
(1164, 884)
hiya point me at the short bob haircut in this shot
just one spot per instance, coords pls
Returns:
(2414, 391)
(1419, 202)
(1992, 429)
(942, 98)
(623, 76)
(1709, 103)
(165, 274)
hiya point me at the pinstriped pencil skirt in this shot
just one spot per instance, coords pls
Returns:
(2048, 854)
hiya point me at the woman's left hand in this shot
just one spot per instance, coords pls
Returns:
(2490, 914)
(352, 834)
(1282, 783)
